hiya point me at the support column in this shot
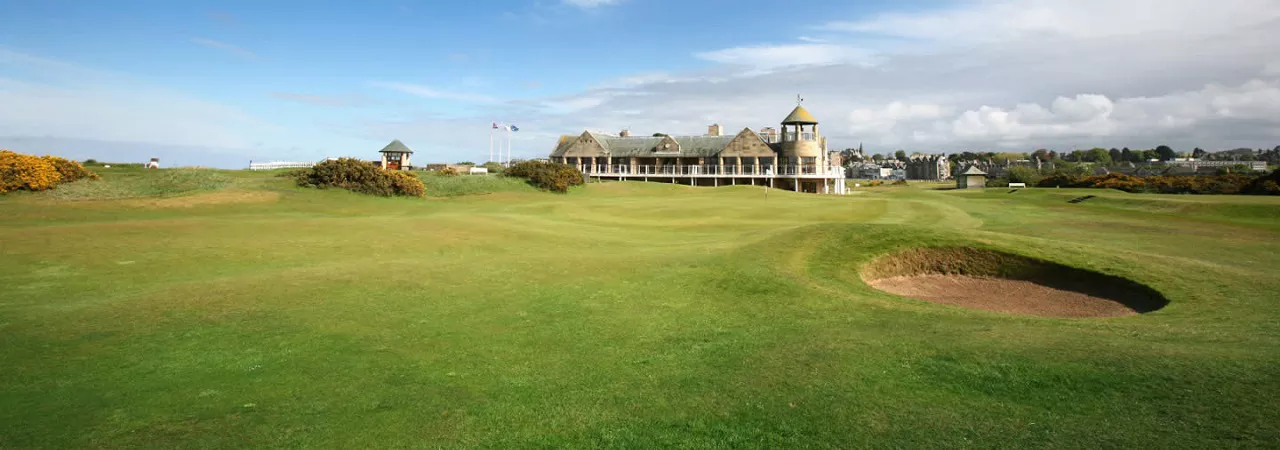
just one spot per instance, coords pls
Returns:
(797, 184)
(608, 162)
(633, 165)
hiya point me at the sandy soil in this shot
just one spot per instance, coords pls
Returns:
(1006, 296)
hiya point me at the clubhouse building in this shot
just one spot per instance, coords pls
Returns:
(796, 158)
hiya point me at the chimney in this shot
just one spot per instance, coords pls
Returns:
(769, 134)
(715, 130)
(625, 133)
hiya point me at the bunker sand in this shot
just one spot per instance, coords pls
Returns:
(1004, 296)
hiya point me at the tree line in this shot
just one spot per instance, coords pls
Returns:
(1096, 155)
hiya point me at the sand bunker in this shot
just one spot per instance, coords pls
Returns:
(1002, 282)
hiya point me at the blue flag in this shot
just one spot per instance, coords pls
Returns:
(514, 128)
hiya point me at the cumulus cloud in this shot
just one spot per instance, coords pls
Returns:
(983, 74)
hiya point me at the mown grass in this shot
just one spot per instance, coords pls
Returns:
(620, 315)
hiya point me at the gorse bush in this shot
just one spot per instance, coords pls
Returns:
(360, 176)
(26, 172)
(407, 184)
(1231, 183)
(31, 173)
(70, 170)
(553, 177)
(448, 172)
(899, 183)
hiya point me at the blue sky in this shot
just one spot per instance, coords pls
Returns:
(292, 80)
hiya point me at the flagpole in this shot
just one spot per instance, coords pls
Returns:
(490, 145)
(508, 145)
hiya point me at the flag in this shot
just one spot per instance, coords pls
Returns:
(495, 125)
(513, 128)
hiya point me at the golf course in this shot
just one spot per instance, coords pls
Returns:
(190, 308)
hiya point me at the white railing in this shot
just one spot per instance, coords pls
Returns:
(279, 165)
(710, 170)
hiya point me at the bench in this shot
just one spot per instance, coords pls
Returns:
(1017, 185)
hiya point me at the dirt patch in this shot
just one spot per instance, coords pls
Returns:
(1005, 296)
(1002, 282)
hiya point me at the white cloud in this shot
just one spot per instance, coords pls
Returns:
(790, 55)
(70, 101)
(591, 3)
(225, 46)
(430, 92)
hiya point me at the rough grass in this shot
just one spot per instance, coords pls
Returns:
(132, 182)
(454, 186)
(620, 315)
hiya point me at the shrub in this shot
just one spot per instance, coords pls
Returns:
(26, 172)
(553, 177)
(407, 184)
(70, 170)
(1024, 174)
(1268, 184)
(360, 176)
(1060, 180)
(449, 172)
(90, 161)
(874, 183)
(899, 183)
(997, 182)
(1127, 183)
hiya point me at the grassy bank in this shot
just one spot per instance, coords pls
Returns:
(621, 315)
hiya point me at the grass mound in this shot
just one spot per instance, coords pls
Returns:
(455, 186)
(142, 183)
(1003, 282)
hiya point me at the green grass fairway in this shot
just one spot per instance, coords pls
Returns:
(238, 311)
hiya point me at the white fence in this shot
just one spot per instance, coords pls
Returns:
(279, 165)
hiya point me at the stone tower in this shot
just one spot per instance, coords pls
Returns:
(801, 144)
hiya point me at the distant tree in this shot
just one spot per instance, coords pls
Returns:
(1165, 153)
(1053, 154)
(466, 163)
(877, 157)
(1125, 155)
(900, 155)
(659, 135)
(1116, 155)
(968, 156)
(1042, 154)
(1098, 155)
(1148, 155)
(1198, 153)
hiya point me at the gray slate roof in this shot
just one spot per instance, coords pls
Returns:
(395, 146)
(646, 146)
(973, 170)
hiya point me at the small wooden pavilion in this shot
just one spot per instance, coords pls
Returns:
(973, 178)
(395, 156)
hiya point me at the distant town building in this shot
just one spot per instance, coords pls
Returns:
(928, 167)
